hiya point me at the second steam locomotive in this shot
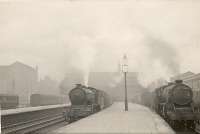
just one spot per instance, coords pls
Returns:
(174, 102)
(86, 101)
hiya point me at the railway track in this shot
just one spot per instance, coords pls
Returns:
(188, 131)
(33, 125)
(183, 130)
(24, 122)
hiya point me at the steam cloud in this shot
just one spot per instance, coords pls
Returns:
(94, 36)
(162, 59)
(163, 52)
(83, 56)
(117, 79)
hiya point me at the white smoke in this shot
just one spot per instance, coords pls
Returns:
(116, 80)
(87, 58)
(94, 36)
(83, 56)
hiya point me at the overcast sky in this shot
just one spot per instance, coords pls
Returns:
(160, 37)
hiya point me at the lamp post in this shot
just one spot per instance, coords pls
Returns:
(125, 71)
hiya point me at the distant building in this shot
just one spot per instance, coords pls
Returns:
(191, 79)
(193, 82)
(48, 86)
(104, 80)
(182, 76)
(18, 79)
(113, 83)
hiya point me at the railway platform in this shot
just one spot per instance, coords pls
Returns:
(138, 119)
(30, 119)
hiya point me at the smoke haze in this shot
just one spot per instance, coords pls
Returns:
(93, 36)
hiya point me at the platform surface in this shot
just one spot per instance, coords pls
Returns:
(138, 120)
(31, 109)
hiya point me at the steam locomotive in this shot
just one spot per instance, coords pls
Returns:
(174, 102)
(86, 101)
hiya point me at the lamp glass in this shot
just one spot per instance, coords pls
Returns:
(124, 68)
(125, 64)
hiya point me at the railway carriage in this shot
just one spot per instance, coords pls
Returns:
(44, 99)
(8, 101)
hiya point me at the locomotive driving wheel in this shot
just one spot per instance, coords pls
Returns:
(173, 124)
(190, 124)
(164, 111)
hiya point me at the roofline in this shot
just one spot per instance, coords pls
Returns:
(30, 67)
(192, 77)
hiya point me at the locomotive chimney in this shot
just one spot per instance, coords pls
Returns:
(178, 81)
(78, 85)
(170, 83)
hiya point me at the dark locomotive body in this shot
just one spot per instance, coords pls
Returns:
(86, 101)
(174, 102)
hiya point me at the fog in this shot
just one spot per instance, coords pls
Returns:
(160, 37)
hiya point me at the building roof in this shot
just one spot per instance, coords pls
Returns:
(4, 69)
(193, 77)
(20, 63)
(183, 76)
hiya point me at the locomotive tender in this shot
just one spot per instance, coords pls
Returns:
(174, 102)
(86, 101)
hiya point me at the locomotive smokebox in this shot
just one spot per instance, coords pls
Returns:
(178, 81)
(78, 85)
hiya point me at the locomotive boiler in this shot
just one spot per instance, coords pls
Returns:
(174, 102)
(86, 101)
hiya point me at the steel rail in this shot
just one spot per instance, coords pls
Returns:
(30, 124)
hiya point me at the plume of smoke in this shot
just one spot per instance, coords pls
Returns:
(83, 57)
(87, 58)
(162, 60)
(162, 51)
(117, 79)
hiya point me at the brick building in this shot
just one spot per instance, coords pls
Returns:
(18, 79)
